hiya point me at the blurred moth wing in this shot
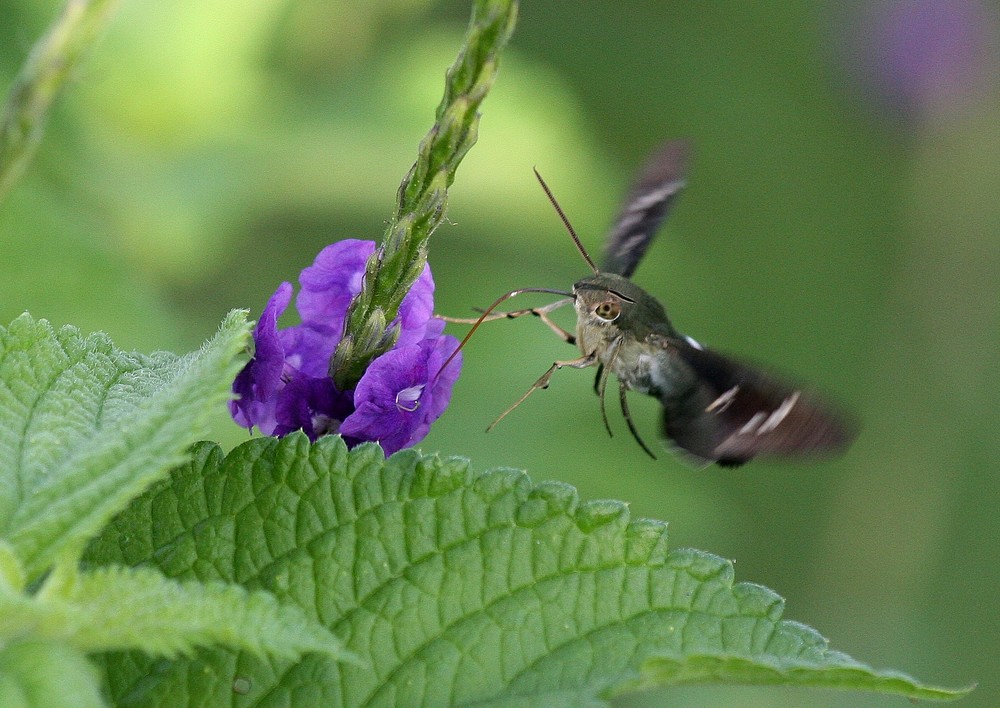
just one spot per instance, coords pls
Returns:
(735, 412)
(649, 200)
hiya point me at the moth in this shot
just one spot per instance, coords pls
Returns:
(715, 409)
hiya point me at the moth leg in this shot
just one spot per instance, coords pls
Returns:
(563, 334)
(628, 419)
(540, 312)
(601, 380)
(543, 382)
(600, 384)
(597, 378)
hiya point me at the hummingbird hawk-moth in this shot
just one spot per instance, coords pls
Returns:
(715, 409)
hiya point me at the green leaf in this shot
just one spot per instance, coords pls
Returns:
(50, 674)
(85, 427)
(138, 608)
(453, 587)
(816, 666)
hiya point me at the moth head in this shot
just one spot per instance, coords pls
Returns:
(604, 299)
(611, 300)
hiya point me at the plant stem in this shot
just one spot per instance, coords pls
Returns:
(45, 71)
(423, 194)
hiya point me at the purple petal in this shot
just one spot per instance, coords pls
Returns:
(377, 416)
(313, 405)
(329, 284)
(443, 382)
(260, 379)
(335, 278)
(401, 394)
(286, 386)
(308, 349)
(416, 310)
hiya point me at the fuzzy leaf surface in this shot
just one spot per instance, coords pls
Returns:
(85, 427)
(454, 588)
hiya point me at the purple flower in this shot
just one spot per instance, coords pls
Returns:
(286, 385)
(916, 57)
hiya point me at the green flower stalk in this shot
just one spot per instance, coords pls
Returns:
(423, 194)
(47, 68)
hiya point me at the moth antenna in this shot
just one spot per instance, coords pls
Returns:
(486, 313)
(569, 226)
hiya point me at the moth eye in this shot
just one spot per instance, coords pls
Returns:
(608, 310)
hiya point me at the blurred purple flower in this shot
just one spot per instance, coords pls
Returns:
(286, 385)
(921, 56)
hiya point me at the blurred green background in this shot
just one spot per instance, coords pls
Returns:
(841, 223)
